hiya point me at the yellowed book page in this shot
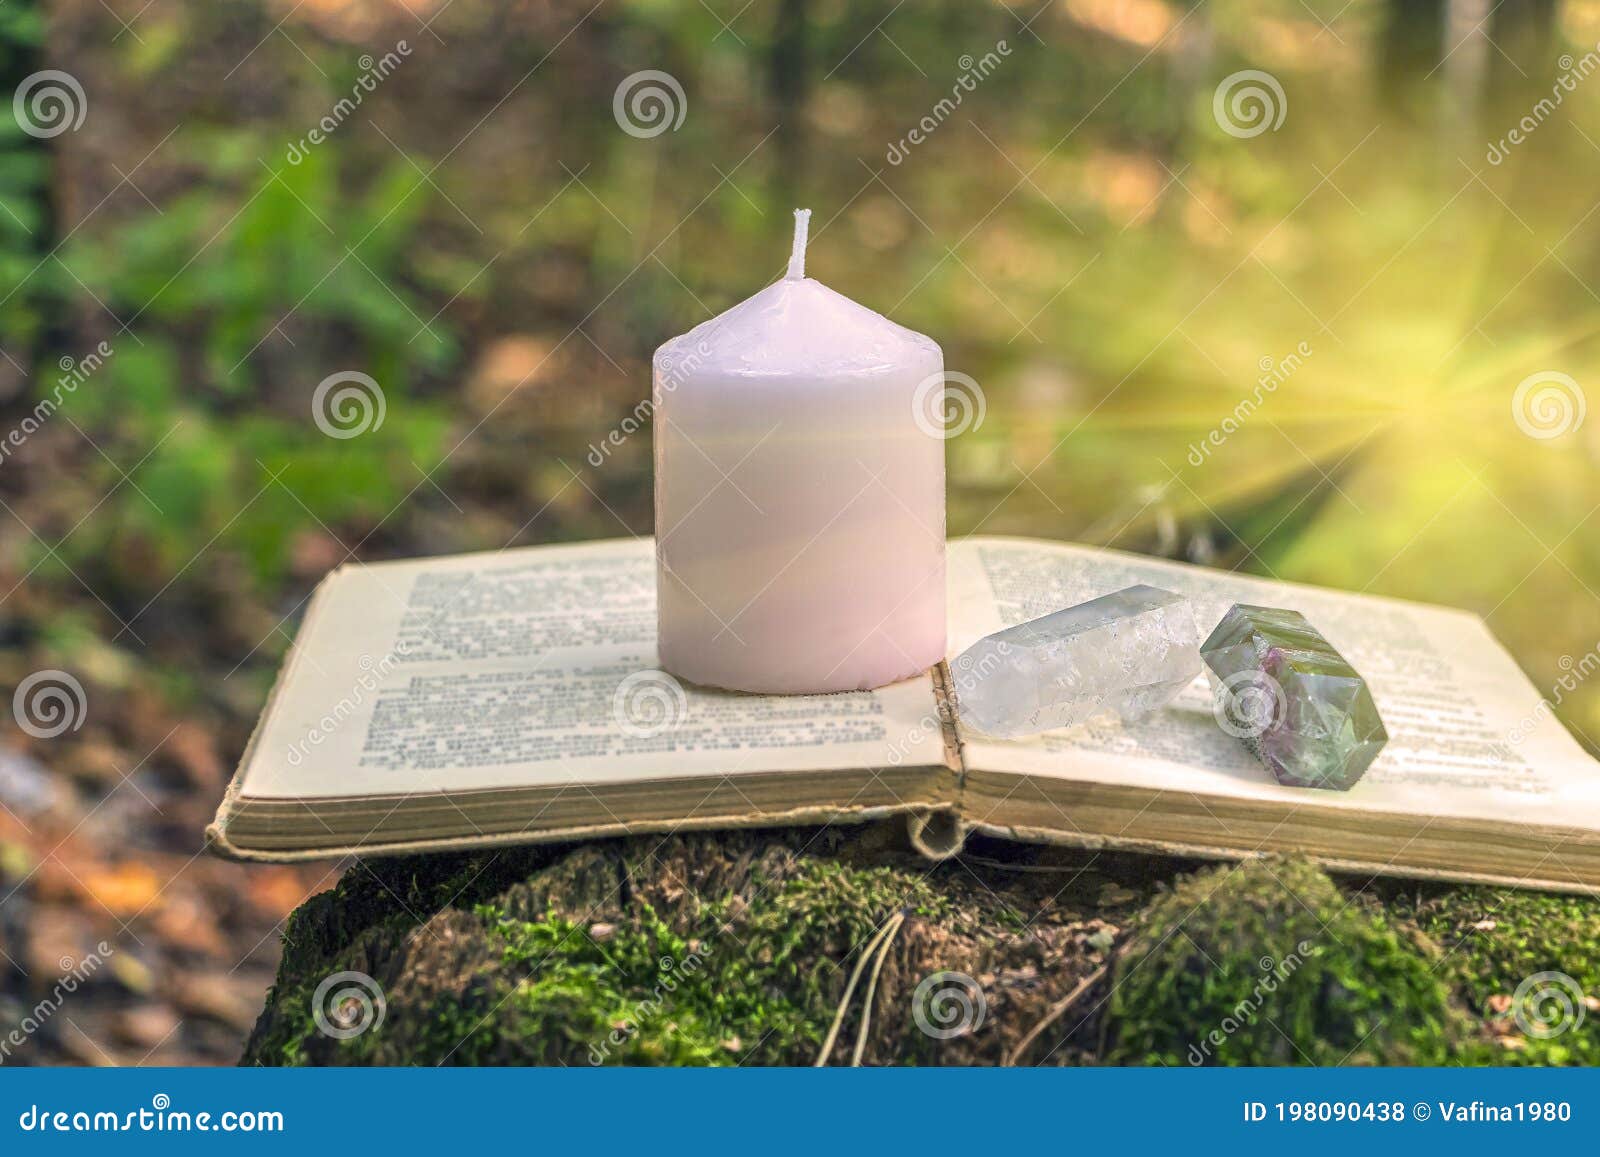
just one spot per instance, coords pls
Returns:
(536, 667)
(1469, 735)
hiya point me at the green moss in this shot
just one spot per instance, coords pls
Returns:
(374, 904)
(747, 975)
(732, 947)
(1268, 963)
(1497, 941)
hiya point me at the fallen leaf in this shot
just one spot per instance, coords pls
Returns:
(186, 921)
(124, 890)
(134, 973)
(509, 365)
(214, 997)
(145, 1026)
(277, 891)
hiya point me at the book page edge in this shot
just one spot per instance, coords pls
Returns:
(216, 831)
(217, 839)
(1217, 852)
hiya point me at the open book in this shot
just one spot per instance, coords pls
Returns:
(512, 697)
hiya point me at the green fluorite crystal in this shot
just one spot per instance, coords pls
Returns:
(1292, 699)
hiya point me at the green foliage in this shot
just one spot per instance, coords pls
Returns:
(21, 27)
(1267, 963)
(24, 192)
(257, 285)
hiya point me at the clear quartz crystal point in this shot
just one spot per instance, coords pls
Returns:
(1129, 652)
(1293, 700)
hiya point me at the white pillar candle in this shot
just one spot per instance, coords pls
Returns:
(799, 498)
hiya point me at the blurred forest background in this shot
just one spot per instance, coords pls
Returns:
(1084, 235)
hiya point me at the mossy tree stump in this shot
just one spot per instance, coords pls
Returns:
(737, 948)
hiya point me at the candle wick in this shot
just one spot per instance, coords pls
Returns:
(797, 256)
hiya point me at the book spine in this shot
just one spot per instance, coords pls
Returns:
(941, 834)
